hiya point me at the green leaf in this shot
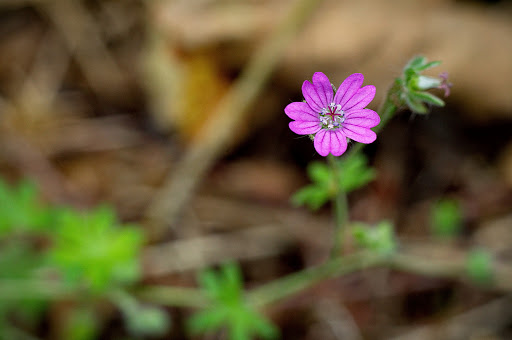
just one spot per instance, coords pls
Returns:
(206, 321)
(232, 281)
(263, 328)
(426, 98)
(312, 196)
(228, 309)
(379, 238)
(92, 248)
(21, 210)
(446, 218)
(208, 280)
(81, 324)
(148, 321)
(355, 172)
(140, 319)
(320, 173)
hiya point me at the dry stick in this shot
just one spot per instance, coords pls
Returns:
(216, 133)
(42, 84)
(83, 38)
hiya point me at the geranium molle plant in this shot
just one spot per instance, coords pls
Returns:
(332, 118)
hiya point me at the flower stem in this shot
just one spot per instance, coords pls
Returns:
(297, 282)
(340, 209)
(406, 260)
(387, 109)
(173, 296)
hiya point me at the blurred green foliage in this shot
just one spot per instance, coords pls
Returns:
(479, 265)
(92, 248)
(446, 218)
(19, 261)
(81, 324)
(228, 308)
(141, 320)
(21, 210)
(44, 249)
(354, 173)
(379, 238)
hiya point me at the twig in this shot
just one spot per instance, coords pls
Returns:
(84, 41)
(204, 251)
(216, 134)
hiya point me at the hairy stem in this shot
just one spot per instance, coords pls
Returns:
(340, 209)
(406, 260)
(297, 282)
(173, 296)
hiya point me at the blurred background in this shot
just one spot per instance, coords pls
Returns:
(130, 103)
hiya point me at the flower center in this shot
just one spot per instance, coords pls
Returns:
(332, 116)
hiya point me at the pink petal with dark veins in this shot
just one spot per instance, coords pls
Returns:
(330, 141)
(301, 111)
(360, 99)
(304, 127)
(359, 134)
(362, 117)
(348, 88)
(319, 94)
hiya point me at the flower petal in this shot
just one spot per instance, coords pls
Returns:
(323, 87)
(348, 88)
(360, 99)
(301, 111)
(304, 127)
(359, 134)
(330, 141)
(362, 117)
(319, 94)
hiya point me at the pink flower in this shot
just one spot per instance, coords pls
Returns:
(333, 118)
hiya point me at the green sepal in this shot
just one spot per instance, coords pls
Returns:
(415, 105)
(416, 62)
(312, 196)
(428, 65)
(426, 98)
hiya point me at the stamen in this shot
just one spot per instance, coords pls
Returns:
(332, 116)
